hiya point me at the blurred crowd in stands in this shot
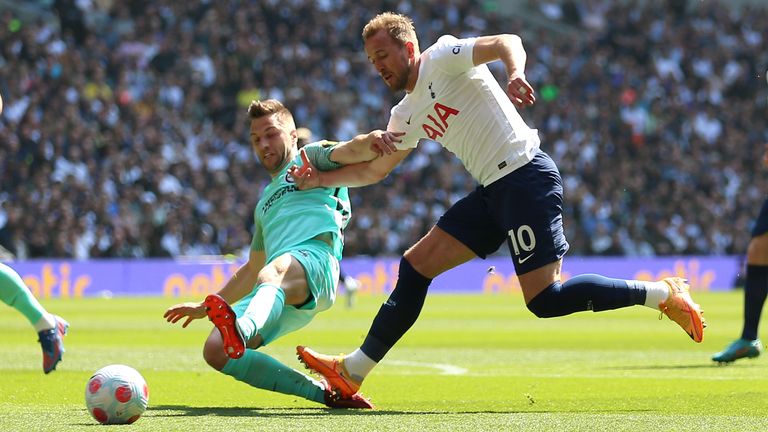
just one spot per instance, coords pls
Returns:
(125, 132)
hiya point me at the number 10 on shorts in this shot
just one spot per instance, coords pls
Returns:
(522, 241)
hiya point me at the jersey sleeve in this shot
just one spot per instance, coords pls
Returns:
(319, 154)
(399, 124)
(451, 55)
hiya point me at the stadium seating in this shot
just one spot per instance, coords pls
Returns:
(125, 134)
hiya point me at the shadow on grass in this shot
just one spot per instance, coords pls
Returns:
(666, 367)
(188, 411)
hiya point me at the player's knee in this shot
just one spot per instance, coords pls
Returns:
(546, 304)
(213, 353)
(268, 274)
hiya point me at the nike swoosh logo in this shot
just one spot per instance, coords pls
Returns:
(522, 260)
(409, 119)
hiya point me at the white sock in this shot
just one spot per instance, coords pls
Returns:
(46, 322)
(657, 292)
(359, 365)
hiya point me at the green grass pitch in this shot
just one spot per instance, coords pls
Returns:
(471, 363)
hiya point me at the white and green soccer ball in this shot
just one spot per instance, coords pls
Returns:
(116, 394)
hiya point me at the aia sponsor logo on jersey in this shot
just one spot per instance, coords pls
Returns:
(438, 121)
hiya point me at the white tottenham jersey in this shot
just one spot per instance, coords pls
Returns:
(463, 107)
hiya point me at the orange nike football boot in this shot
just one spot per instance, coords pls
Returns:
(331, 368)
(680, 308)
(334, 400)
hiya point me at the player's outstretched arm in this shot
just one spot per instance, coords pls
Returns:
(509, 49)
(356, 175)
(189, 310)
(328, 156)
(365, 147)
(240, 284)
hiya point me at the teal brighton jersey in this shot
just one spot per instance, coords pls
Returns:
(286, 216)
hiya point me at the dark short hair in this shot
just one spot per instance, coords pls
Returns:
(268, 107)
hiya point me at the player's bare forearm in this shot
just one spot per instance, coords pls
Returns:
(353, 176)
(366, 147)
(242, 282)
(509, 49)
(505, 47)
(354, 151)
(362, 174)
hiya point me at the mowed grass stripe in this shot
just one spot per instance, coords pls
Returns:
(618, 370)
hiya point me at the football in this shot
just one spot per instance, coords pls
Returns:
(116, 394)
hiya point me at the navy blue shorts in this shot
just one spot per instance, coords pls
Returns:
(525, 208)
(761, 224)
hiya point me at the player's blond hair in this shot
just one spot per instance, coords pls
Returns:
(400, 27)
(267, 107)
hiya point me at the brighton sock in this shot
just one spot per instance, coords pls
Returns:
(264, 372)
(14, 293)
